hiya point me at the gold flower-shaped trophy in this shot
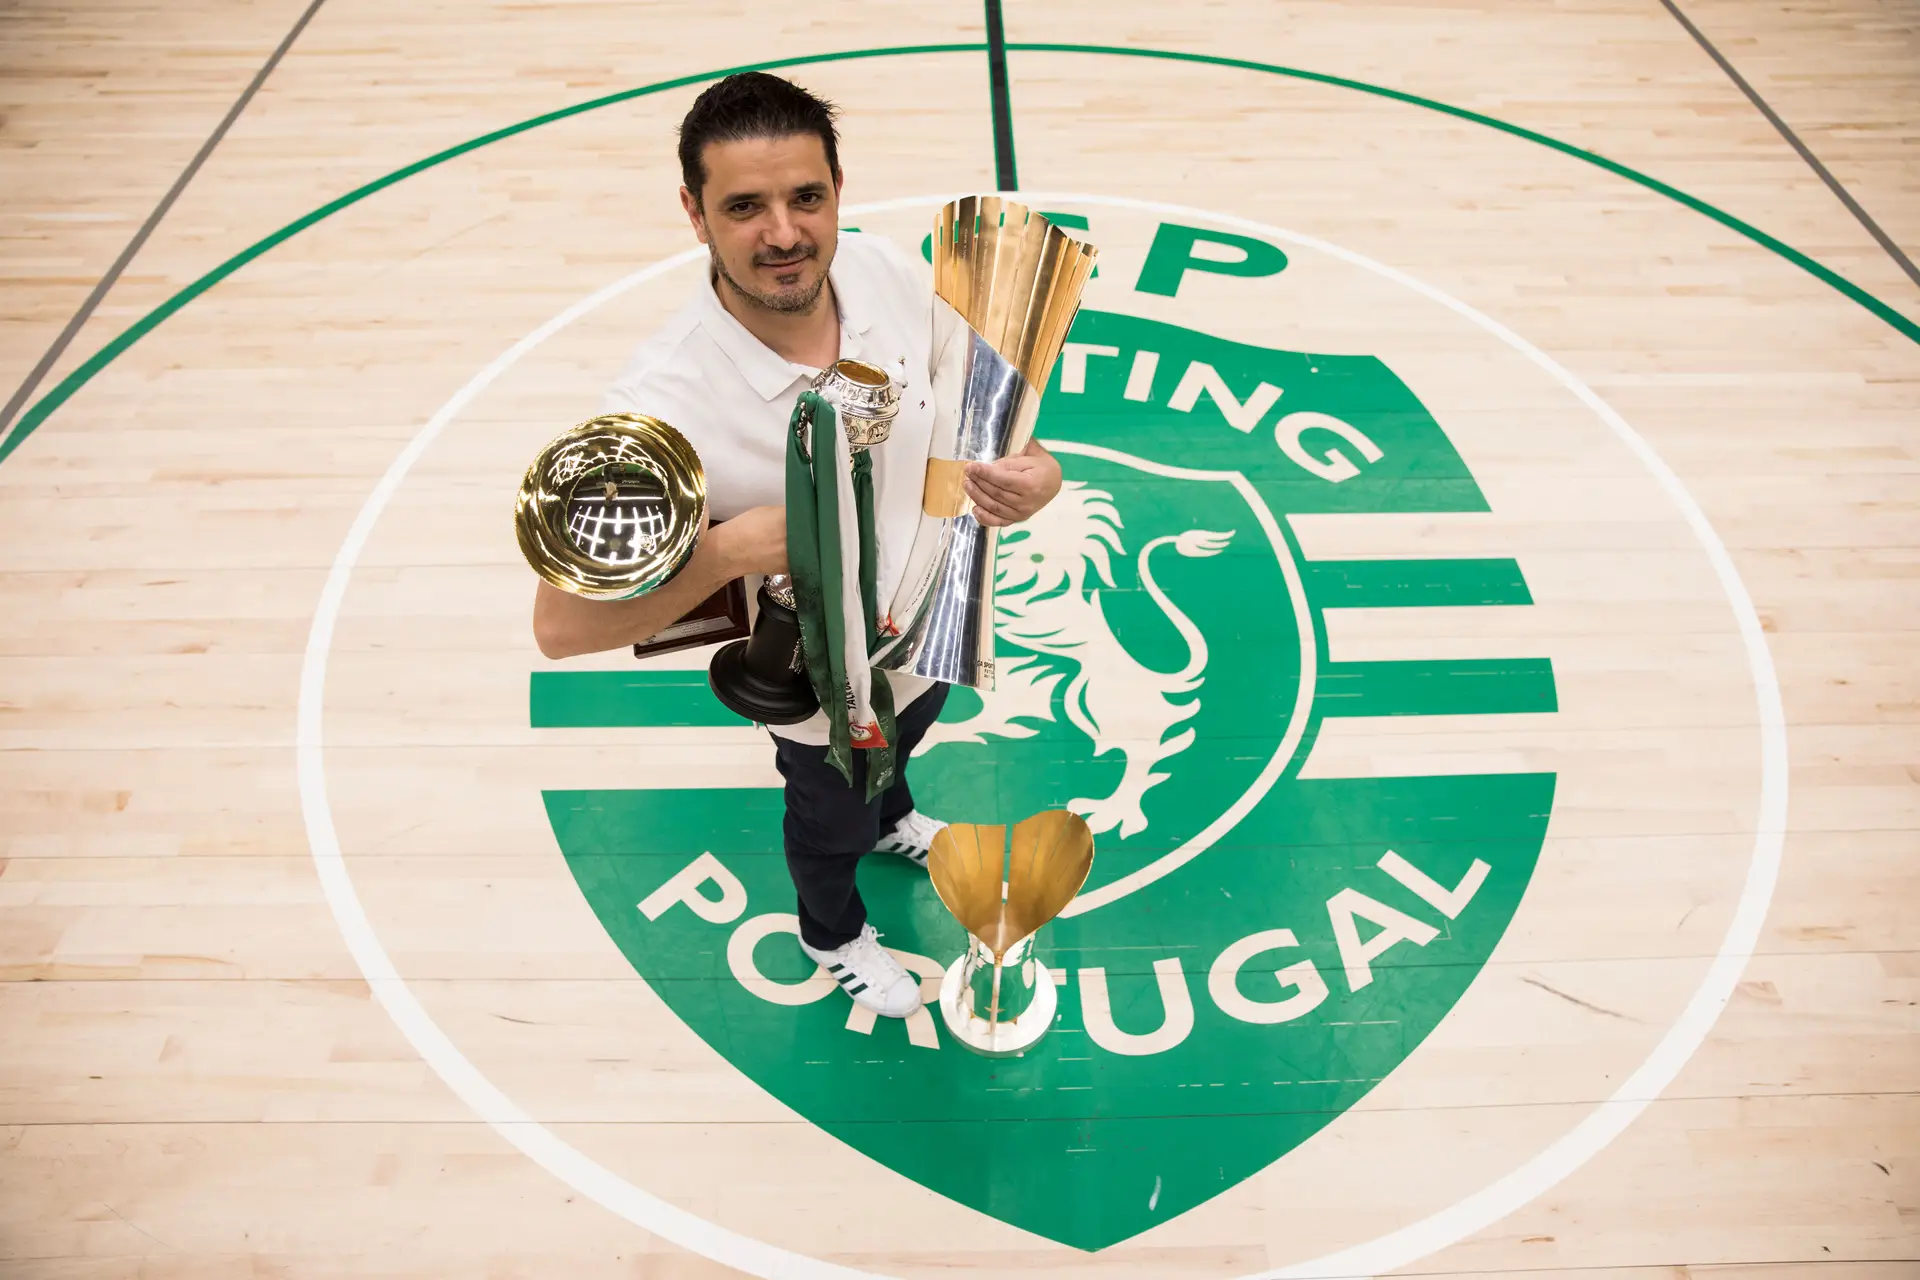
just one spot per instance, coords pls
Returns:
(997, 998)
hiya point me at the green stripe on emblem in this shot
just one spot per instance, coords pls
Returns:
(1444, 687)
(1413, 584)
(626, 699)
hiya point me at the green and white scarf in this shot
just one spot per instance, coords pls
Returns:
(837, 624)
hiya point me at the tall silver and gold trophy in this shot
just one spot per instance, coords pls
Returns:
(1007, 284)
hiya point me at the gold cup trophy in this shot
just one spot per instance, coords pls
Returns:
(998, 999)
(614, 507)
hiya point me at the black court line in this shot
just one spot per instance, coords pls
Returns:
(1004, 174)
(20, 397)
(1793, 140)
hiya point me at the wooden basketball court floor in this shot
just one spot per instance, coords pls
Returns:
(318, 885)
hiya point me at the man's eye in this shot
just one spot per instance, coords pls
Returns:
(812, 197)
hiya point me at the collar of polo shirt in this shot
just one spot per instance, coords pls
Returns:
(763, 368)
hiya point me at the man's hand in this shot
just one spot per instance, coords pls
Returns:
(1012, 489)
(755, 541)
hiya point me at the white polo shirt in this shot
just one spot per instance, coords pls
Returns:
(732, 397)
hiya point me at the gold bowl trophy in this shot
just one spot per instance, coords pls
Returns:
(764, 678)
(998, 999)
(612, 508)
(1007, 284)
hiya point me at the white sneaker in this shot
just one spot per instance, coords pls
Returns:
(868, 972)
(911, 837)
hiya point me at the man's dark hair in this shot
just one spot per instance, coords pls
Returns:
(752, 104)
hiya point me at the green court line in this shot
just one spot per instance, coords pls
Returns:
(626, 699)
(47, 404)
(1437, 687)
(1832, 278)
(1001, 94)
(1414, 584)
(68, 386)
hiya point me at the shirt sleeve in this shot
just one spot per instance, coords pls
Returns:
(623, 394)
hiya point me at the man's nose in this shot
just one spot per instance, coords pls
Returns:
(782, 234)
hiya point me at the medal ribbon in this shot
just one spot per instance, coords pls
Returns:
(837, 625)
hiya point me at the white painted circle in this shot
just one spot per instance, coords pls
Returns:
(1385, 1253)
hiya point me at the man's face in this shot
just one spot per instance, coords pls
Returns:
(770, 217)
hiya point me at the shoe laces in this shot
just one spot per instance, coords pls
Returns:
(866, 956)
(917, 829)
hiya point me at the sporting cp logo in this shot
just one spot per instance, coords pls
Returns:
(1260, 943)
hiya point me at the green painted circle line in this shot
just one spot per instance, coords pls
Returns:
(44, 407)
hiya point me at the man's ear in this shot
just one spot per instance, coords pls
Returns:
(691, 203)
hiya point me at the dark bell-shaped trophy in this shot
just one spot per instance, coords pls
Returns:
(764, 677)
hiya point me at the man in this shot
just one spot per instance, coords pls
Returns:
(787, 295)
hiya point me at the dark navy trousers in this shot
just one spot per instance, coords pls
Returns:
(830, 826)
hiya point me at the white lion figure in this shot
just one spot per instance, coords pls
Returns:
(1047, 607)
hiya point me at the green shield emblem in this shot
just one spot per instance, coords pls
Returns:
(1256, 949)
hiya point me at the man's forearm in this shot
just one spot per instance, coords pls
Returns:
(566, 626)
(754, 541)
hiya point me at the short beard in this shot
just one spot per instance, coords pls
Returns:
(782, 303)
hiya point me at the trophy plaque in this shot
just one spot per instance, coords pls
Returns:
(764, 678)
(1007, 283)
(998, 999)
(721, 616)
